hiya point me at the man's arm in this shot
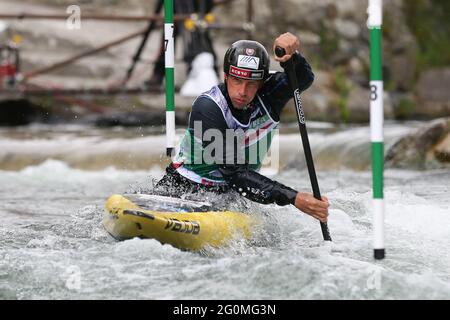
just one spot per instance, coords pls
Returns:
(257, 187)
(247, 182)
(303, 70)
(239, 177)
(278, 90)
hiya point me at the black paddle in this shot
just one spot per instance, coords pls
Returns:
(280, 52)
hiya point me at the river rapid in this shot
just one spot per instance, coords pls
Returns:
(54, 182)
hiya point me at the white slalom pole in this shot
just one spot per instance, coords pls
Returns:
(374, 24)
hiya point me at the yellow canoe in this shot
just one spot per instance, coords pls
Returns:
(158, 217)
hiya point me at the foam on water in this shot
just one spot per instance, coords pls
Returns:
(53, 244)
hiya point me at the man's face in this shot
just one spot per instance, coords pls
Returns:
(241, 92)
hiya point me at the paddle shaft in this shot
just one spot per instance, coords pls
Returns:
(280, 52)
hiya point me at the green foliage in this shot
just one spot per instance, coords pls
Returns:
(429, 21)
(388, 26)
(329, 41)
(315, 61)
(405, 109)
(343, 89)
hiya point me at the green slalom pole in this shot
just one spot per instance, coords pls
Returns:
(374, 24)
(170, 78)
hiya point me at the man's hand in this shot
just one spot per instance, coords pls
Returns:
(310, 205)
(289, 43)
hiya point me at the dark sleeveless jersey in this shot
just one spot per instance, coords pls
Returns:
(214, 111)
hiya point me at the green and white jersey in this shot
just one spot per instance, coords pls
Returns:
(242, 143)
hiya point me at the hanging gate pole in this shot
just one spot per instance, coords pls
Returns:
(169, 78)
(374, 24)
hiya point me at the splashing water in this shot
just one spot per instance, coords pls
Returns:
(53, 246)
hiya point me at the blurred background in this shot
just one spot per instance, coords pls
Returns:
(82, 113)
(100, 64)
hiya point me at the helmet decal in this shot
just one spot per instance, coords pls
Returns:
(246, 74)
(248, 60)
(250, 51)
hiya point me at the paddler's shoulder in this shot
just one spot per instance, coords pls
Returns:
(209, 101)
(206, 110)
(204, 104)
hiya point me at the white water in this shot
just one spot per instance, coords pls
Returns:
(53, 246)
